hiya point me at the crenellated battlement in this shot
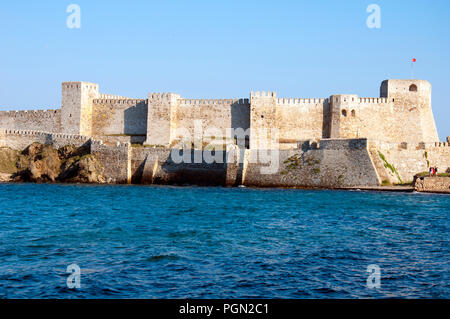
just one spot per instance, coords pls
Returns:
(39, 136)
(31, 113)
(20, 139)
(299, 101)
(333, 144)
(349, 99)
(80, 85)
(162, 96)
(409, 146)
(213, 101)
(374, 100)
(259, 94)
(41, 133)
(99, 143)
(112, 97)
(120, 101)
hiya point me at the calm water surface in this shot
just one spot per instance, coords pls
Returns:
(167, 242)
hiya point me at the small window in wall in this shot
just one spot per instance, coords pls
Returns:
(70, 115)
(353, 113)
(344, 112)
(413, 88)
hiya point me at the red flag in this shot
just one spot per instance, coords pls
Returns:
(414, 60)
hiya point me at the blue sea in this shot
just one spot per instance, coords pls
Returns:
(194, 242)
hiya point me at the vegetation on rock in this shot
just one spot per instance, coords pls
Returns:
(390, 166)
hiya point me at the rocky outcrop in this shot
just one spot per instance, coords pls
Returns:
(8, 160)
(42, 163)
(85, 169)
(5, 177)
(435, 184)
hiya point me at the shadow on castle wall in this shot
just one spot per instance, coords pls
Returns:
(135, 120)
(240, 118)
(189, 172)
(326, 122)
(171, 172)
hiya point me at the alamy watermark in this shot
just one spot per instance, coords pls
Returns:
(214, 145)
(74, 279)
(74, 19)
(374, 19)
(374, 279)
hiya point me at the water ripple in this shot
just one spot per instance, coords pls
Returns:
(170, 242)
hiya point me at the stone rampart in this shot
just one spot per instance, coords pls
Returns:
(433, 184)
(42, 120)
(19, 140)
(119, 117)
(116, 160)
(332, 163)
(328, 163)
(399, 162)
(158, 166)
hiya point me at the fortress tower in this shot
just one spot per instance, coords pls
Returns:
(161, 120)
(413, 97)
(341, 107)
(263, 117)
(402, 114)
(76, 107)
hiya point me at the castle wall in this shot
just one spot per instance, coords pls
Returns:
(19, 140)
(434, 184)
(157, 166)
(414, 97)
(402, 113)
(399, 124)
(301, 119)
(399, 115)
(410, 159)
(119, 117)
(160, 118)
(42, 120)
(262, 118)
(324, 163)
(115, 159)
(332, 163)
(216, 117)
(287, 119)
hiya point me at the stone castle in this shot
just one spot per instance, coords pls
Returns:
(396, 129)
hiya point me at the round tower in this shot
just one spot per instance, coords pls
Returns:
(413, 97)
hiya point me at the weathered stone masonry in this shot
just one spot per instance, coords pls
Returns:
(402, 113)
(395, 130)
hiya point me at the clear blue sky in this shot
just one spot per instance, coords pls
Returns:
(222, 49)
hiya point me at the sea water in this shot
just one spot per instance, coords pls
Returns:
(194, 242)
